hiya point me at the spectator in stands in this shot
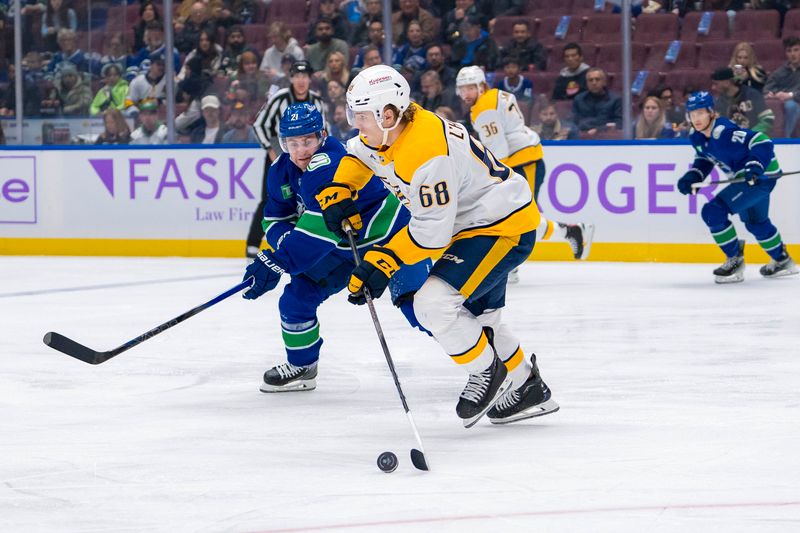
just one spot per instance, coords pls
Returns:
(336, 93)
(57, 16)
(209, 130)
(746, 68)
(413, 50)
(435, 59)
(147, 12)
(151, 131)
(51, 100)
(31, 12)
(571, 80)
(115, 54)
(597, 108)
(209, 54)
(116, 130)
(31, 95)
(339, 24)
(652, 123)
(191, 90)
(234, 47)
(199, 20)
(513, 82)
(369, 56)
(150, 85)
(68, 52)
(335, 69)
(282, 44)
(234, 13)
(113, 93)
(531, 53)
(784, 84)
(474, 47)
(674, 114)
(373, 10)
(73, 92)
(239, 130)
(507, 8)
(550, 126)
(454, 18)
(434, 94)
(340, 128)
(742, 104)
(249, 79)
(410, 11)
(317, 53)
(376, 37)
(154, 41)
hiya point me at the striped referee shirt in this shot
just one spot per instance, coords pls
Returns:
(269, 118)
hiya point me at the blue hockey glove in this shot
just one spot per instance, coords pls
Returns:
(689, 179)
(266, 272)
(374, 272)
(338, 204)
(753, 172)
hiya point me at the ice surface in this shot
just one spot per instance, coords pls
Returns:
(680, 408)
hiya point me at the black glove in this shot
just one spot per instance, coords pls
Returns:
(689, 179)
(266, 272)
(338, 205)
(373, 274)
(752, 173)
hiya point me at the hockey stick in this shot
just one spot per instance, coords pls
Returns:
(701, 185)
(74, 349)
(417, 455)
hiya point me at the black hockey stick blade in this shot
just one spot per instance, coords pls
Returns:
(74, 349)
(418, 460)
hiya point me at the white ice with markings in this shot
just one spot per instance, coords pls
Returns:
(680, 408)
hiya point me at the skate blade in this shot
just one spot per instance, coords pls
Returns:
(723, 280)
(299, 386)
(469, 422)
(544, 408)
(783, 273)
(588, 236)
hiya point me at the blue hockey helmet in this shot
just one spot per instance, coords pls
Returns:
(298, 120)
(700, 100)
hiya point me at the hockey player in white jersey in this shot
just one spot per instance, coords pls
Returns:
(467, 208)
(498, 122)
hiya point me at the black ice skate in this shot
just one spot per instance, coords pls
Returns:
(732, 270)
(784, 266)
(482, 391)
(579, 237)
(530, 400)
(288, 377)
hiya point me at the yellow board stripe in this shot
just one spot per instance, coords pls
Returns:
(471, 354)
(497, 252)
(514, 361)
(543, 251)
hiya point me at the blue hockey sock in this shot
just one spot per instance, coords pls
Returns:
(773, 246)
(727, 240)
(302, 342)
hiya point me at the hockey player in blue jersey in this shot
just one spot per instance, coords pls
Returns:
(318, 263)
(748, 155)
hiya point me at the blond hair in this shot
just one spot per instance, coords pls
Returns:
(651, 130)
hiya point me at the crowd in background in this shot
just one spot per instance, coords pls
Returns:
(224, 76)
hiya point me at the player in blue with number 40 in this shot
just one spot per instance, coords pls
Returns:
(318, 263)
(748, 155)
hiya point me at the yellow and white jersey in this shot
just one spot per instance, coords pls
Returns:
(453, 187)
(499, 124)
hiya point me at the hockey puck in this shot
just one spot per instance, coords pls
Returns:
(387, 462)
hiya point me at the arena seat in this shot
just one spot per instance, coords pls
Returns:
(601, 28)
(791, 24)
(609, 56)
(754, 25)
(715, 54)
(656, 27)
(546, 30)
(687, 57)
(543, 8)
(698, 79)
(717, 32)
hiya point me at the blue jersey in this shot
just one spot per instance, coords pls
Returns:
(733, 148)
(293, 221)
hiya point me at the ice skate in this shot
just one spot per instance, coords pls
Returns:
(579, 237)
(482, 391)
(780, 267)
(530, 400)
(513, 277)
(287, 377)
(732, 270)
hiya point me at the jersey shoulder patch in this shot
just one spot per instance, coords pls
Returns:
(318, 161)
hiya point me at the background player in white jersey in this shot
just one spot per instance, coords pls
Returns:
(465, 205)
(498, 122)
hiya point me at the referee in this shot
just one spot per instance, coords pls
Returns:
(266, 128)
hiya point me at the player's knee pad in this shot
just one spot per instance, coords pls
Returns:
(300, 300)
(437, 304)
(714, 214)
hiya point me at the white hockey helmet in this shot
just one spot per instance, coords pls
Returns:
(471, 75)
(373, 89)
